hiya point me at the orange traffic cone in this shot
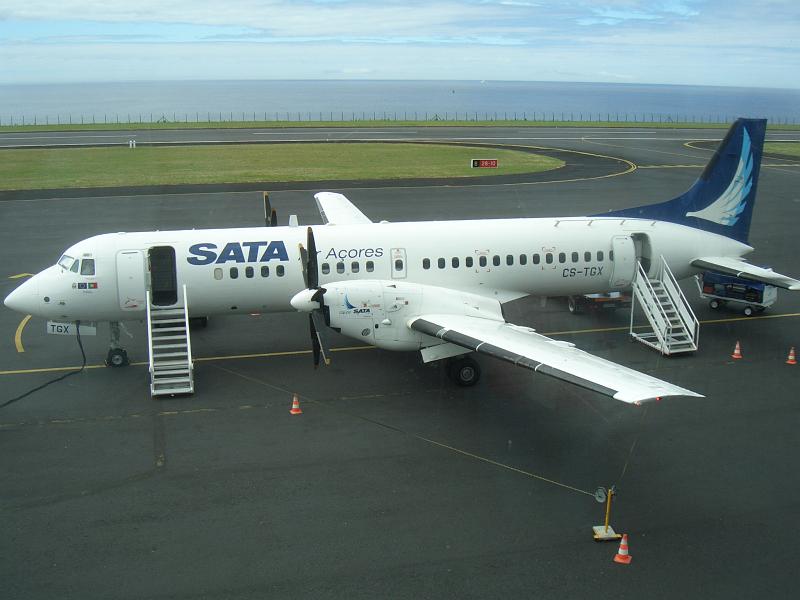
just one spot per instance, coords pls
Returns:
(296, 410)
(622, 554)
(737, 352)
(791, 360)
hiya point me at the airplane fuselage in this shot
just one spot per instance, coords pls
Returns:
(249, 270)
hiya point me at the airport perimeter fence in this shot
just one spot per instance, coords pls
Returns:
(199, 118)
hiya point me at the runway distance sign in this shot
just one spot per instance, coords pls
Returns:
(483, 163)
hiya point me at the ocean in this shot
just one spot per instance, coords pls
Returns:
(145, 101)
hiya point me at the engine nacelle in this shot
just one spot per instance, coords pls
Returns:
(378, 311)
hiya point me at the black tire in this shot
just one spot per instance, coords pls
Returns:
(574, 305)
(714, 304)
(748, 311)
(464, 372)
(117, 357)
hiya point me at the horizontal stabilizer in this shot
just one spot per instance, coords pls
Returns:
(525, 348)
(744, 270)
(336, 209)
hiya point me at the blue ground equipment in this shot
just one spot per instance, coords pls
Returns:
(751, 296)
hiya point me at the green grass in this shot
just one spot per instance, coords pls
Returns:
(783, 148)
(362, 124)
(165, 165)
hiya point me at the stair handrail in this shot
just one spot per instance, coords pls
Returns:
(642, 281)
(186, 324)
(685, 311)
(149, 332)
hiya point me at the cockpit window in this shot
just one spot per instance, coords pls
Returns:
(65, 261)
(75, 265)
(87, 266)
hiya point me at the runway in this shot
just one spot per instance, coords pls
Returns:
(394, 483)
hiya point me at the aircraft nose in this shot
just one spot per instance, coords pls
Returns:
(25, 298)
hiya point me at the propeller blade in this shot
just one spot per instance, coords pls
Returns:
(270, 216)
(319, 328)
(304, 263)
(313, 272)
(315, 343)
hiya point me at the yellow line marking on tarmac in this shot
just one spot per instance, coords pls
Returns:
(18, 334)
(354, 348)
(20, 275)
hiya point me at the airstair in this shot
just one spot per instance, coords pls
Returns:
(171, 368)
(673, 327)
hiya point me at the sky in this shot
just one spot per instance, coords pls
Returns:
(753, 43)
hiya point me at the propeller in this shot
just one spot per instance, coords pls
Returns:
(270, 215)
(311, 300)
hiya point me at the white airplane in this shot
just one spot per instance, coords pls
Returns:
(434, 287)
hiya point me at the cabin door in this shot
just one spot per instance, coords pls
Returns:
(623, 266)
(163, 275)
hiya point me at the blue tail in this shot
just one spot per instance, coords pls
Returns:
(722, 199)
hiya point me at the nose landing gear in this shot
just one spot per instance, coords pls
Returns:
(117, 355)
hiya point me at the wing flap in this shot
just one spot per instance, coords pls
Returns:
(744, 270)
(336, 209)
(523, 347)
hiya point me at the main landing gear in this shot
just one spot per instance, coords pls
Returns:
(117, 356)
(464, 371)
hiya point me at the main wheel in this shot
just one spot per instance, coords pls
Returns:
(465, 371)
(117, 357)
(714, 304)
(748, 311)
(574, 306)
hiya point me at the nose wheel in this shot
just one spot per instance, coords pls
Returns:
(117, 357)
(464, 371)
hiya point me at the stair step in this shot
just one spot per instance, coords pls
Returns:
(167, 364)
(166, 311)
(168, 372)
(156, 321)
(162, 329)
(167, 355)
(165, 346)
(172, 391)
(171, 380)
(168, 337)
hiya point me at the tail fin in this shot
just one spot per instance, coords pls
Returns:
(722, 199)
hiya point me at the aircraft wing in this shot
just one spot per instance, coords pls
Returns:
(744, 270)
(562, 360)
(336, 209)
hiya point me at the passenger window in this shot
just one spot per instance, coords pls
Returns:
(441, 263)
(87, 266)
(468, 261)
(340, 267)
(326, 268)
(426, 263)
(454, 262)
(217, 273)
(509, 260)
(370, 266)
(234, 272)
(279, 270)
(536, 259)
(354, 266)
(398, 264)
(587, 257)
(548, 258)
(74, 267)
(562, 258)
(265, 271)
(600, 255)
(496, 260)
(248, 272)
(523, 259)
(574, 257)
(482, 261)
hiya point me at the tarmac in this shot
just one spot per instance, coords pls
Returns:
(393, 482)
